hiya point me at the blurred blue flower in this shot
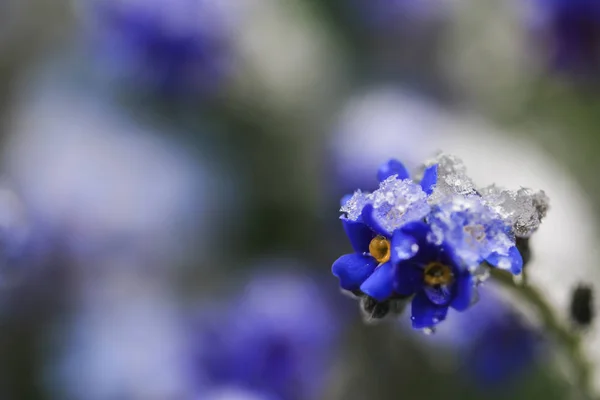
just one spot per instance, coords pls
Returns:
(275, 340)
(24, 243)
(234, 393)
(400, 14)
(124, 340)
(175, 46)
(99, 182)
(405, 124)
(370, 220)
(572, 28)
(503, 350)
(495, 343)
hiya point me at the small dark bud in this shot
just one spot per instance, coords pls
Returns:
(374, 309)
(582, 307)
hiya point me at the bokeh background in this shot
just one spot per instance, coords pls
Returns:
(170, 180)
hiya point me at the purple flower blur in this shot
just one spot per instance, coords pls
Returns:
(504, 345)
(496, 344)
(97, 181)
(572, 30)
(386, 15)
(275, 340)
(174, 46)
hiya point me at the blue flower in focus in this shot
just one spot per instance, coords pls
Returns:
(429, 241)
(475, 233)
(573, 27)
(175, 46)
(276, 340)
(459, 234)
(434, 274)
(370, 221)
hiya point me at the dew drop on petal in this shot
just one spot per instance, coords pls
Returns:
(504, 263)
(406, 250)
(429, 331)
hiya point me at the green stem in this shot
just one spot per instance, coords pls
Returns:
(565, 337)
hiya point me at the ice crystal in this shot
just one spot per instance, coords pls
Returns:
(355, 204)
(472, 228)
(452, 179)
(523, 209)
(397, 202)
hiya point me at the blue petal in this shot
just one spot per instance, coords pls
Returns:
(464, 289)
(359, 234)
(380, 285)
(392, 167)
(416, 229)
(427, 251)
(369, 220)
(430, 177)
(404, 247)
(513, 262)
(353, 269)
(408, 279)
(440, 295)
(425, 314)
(448, 256)
(345, 199)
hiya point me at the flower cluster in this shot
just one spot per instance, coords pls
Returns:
(432, 241)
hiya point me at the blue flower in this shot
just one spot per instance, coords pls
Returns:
(459, 235)
(276, 339)
(173, 46)
(475, 232)
(371, 219)
(433, 273)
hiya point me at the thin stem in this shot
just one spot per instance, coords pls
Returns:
(568, 339)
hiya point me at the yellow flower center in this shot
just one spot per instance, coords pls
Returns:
(380, 249)
(437, 273)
